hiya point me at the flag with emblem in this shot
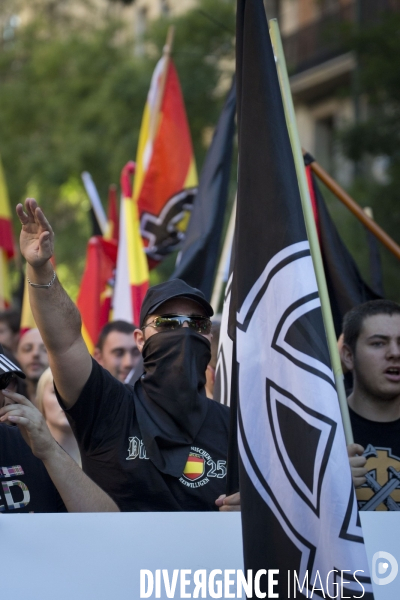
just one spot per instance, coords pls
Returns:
(166, 177)
(198, 258)
(132, 274)
(299, 511)
(6, 242)
(112, 232)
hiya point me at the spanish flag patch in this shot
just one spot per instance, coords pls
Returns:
(194, 468)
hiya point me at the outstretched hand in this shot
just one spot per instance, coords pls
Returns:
(37, 237)
(229, 503)
(30, 421)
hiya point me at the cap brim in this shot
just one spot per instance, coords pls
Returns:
(203, 303)
(7, 366)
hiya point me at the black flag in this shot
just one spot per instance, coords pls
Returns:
(299, 512)
(199, 255)
(346, 287)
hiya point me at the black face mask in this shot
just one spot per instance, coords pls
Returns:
(170, 398)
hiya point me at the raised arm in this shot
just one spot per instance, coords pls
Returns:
(78, 492)
(56, 316)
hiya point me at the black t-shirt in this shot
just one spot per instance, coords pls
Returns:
(25, 485)
(113, 454)
(381, 442)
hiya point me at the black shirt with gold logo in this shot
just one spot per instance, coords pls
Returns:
(381, 442)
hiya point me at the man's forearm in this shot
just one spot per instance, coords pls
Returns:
(78, 492)
(59, 323)
(55, 314)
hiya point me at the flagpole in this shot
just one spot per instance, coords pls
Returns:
(95, 201)
(365, 219)
(154, 120)
(219, 279)
(310, 226)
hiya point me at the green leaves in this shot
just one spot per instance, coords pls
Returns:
(72, 94)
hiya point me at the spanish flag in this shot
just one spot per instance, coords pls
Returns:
(6, 242)
(166, 177)
(112, 232)
(27, 320)
(132, 274)
(194, 467)
(95, 293)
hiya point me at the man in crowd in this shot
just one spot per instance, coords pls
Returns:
(36, 475)
(116, 349)
(32, 356)
(160, 445)
(371, 350)
(9, 329)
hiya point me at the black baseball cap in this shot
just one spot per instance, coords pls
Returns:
(8, 366)
(174, 288)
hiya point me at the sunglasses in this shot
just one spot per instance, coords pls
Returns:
(170, 322)
(6, 379)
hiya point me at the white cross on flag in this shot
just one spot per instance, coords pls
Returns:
(299, 511)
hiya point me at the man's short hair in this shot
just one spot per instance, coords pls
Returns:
(12, 317)
(354, 319)
(120, 326)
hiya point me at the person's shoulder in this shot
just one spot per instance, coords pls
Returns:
(100, 376)
(217, 409)
(217, 423)
(98, 389)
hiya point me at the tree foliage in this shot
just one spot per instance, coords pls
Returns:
(72, 97)
(377, 135)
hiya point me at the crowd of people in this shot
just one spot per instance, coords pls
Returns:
(76, 436)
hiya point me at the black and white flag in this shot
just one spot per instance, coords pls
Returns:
(223, 369)
(346, 287)
(299, 511)
(198, 258)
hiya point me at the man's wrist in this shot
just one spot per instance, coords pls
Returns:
(52, 454)
(40, 275)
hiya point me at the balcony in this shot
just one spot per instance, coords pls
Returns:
(325, 38)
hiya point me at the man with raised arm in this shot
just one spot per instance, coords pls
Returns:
(160, 445)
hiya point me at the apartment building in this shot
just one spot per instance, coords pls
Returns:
(323, 70)
(321, 67)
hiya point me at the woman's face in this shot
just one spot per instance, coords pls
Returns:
(52, 411)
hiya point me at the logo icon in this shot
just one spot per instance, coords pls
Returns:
(384, 568)
(194, 468)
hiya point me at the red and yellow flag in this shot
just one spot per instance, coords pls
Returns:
(132, 274)
(6, 242)
(27, 320)
(94, 298)
(112, 232)
(194, 468)
(166, 177)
